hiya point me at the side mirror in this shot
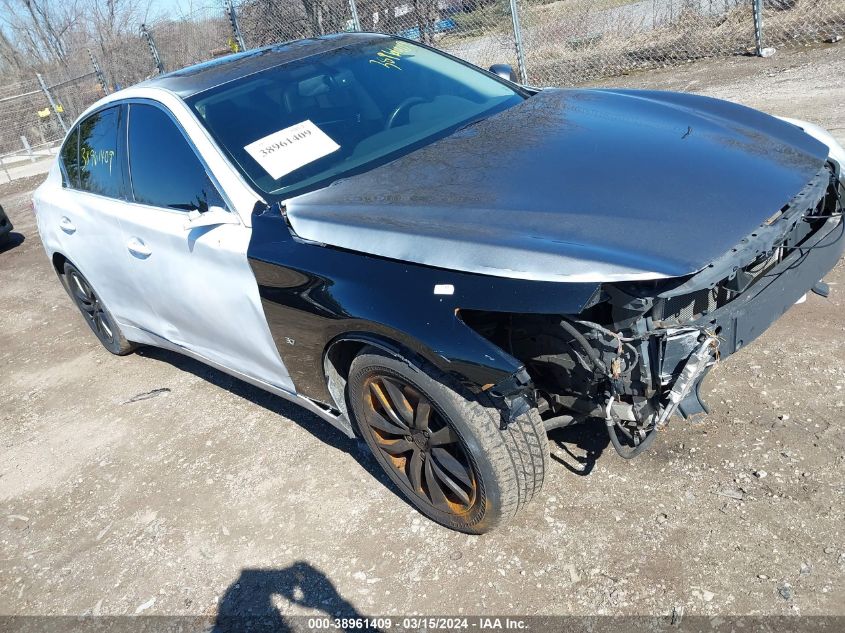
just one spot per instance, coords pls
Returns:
(505, 71)
(212, 217)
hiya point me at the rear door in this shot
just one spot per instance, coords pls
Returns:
(197, 279)
(83, 212)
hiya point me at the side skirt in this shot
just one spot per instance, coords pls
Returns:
(336, 419)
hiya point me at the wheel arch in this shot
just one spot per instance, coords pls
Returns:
(342, 350)
(59, 260)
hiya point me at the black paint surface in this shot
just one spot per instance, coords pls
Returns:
(312, 295)
(574, 182)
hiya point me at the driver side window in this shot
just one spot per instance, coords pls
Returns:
(164, 170)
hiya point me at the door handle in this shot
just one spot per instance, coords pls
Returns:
(66, 225)
(137, 247)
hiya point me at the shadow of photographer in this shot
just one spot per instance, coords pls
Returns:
(250, 604)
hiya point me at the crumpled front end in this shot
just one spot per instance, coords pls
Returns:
(638, 353)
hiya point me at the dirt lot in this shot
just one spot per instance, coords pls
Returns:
(213, 493)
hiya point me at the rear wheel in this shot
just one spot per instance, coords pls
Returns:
(96, 315)
(446, 450)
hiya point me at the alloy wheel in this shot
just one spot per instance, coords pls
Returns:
(91, 308)
(414, 439)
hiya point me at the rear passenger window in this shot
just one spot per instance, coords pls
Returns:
(164, 169)
(70, 160)
(100, 168)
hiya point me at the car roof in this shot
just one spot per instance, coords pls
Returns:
(192, 80)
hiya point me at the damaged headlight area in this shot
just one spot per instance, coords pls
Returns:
(637, 354)
(633, 377)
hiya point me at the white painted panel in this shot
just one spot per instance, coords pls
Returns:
(85, 228)
(203, 290)
(193, 287)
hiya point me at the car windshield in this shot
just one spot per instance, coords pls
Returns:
(300, 125)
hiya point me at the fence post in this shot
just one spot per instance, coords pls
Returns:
(758, 27)
(98, 72)
(50, 101)
(353, 9)
(517, 40)
(28, 148)
(153, 50)
(233, 21)
(759, 49)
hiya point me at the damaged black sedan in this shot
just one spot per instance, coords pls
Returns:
(448, 264)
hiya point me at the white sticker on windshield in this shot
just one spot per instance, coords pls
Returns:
(287, 150)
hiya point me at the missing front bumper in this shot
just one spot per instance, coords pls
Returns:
(743, 320)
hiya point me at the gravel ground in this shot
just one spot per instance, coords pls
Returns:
(152, 484)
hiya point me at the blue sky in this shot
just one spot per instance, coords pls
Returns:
(174, 6)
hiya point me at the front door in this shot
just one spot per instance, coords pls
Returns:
(197, 280)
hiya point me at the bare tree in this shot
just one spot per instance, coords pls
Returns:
(40, 27)
(327, 16)
(378, 15)
(315, 10)
(270, 21)
(109, 20)
(112, 34)
(427, 15)
(11, 60)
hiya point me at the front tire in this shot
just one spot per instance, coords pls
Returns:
(96, 315)
(446, 449)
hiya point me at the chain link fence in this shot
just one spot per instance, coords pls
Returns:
(124, 61)
(264, 22)
(20, 105)
(35, 114)
(788, 22)
(548, 42)
(583, 40)
(195, 36)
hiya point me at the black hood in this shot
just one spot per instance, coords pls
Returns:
(574, 185)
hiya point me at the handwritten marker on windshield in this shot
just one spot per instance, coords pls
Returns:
(444, 289)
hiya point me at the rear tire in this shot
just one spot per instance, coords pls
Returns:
(95, 313)
(429, 434)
